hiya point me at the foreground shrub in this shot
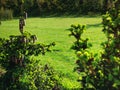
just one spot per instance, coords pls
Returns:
(23, 72)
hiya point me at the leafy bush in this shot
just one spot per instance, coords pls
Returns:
(85, 58)
(23, 72)
(77, 31)
(111, 56)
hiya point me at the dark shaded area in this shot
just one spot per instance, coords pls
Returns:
(53, 7)
(94, 25)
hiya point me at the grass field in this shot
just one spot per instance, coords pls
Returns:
(54, 30)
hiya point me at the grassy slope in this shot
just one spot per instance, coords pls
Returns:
(54, 29)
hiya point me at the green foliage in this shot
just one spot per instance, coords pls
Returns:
(77, 31)
(86, 60)
(21, 47)
(23, 72)
(42, 7)
(87, 67)
(92, 6)
(2, 71)
(111, 54)
(5, 14)
(103, 72)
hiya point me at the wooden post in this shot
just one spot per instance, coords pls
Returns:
(21, 24)
(25, 15)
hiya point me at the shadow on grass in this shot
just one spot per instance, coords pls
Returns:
(94, 25)
(69, 15)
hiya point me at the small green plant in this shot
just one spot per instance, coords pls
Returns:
(77, 31)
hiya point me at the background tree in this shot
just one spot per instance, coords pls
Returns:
(46, 7)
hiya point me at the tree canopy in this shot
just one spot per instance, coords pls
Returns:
(41, 7)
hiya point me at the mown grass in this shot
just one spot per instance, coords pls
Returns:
(54, 29)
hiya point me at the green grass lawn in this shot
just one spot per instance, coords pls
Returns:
(54, 30)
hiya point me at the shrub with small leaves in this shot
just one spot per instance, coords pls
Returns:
(110, 62)
(23, 72)
(86, 60)
(77, 31)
